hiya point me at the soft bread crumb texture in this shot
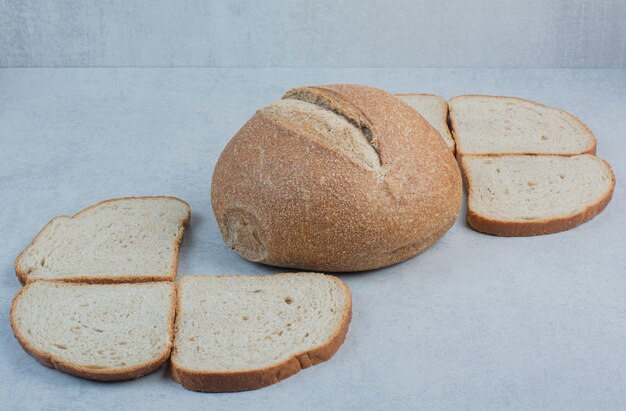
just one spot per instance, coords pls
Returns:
(96, 328)
(434, 109)
(244, 323)
(500, 125)
(131, 237)
(522, 188)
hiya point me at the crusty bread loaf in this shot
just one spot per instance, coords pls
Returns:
(101, 332)
(520, 195)
(505, 125)
(335, 178)
(435, 110)
(244, 332)
(124, 239)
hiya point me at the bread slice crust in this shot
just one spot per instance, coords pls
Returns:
(444, 117)
(253, 379)
(119, 374)
(535, 227)
(22, 275)
(591, 149)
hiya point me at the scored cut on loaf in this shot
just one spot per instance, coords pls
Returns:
(335, 178)
(119, 240)
(321, 125)
(104, 332)
(509, 125)
(244, 332)
(435, 110)
(522, 195)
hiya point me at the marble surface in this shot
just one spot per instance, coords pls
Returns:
(321, 33)
(475, 322)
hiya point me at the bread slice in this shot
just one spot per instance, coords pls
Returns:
(522, 195)
(100, 332)
(435, 110)
(120, 240)
(508, 125)
(243, 332)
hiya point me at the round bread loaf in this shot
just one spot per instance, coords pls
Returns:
(335, 178)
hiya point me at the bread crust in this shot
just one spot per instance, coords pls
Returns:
(536, 227)
(591, 149)
(120, 374)
(22, 275)
(444, 118)
(327, 212)
(245, 380)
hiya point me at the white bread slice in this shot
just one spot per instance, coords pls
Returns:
(119, 240)
(244, 332)
(508, 125)
(101, 332)
(435, 110)
(522, 195)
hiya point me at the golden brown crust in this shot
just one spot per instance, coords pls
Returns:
(23, 275)
(245, 380)
(120, 374)
(459, 152)
(283, 199)
(536, 227)
(444, 119)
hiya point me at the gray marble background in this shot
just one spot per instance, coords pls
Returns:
(321, 33)
(475, 322)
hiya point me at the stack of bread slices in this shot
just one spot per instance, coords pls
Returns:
(99, 302)
(528, 169)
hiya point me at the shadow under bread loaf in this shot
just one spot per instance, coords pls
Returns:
(335, 178)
